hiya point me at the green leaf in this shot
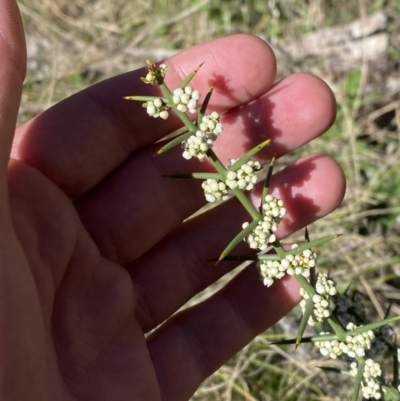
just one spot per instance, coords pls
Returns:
(187, 80)
(176, 141)
(204, 105)
(198, 176)
(243, 258)
(246, 157)
(359, 377)
(173, 134)
(292, 341)
(144, 98)
(390, 393)
(373, 326)
(306, 285)
(240, 237)
(304, 321)
(267, 182)
(324, 337)
(316, 242)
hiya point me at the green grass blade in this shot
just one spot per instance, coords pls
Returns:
(245, 158)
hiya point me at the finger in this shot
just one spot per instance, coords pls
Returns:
(196, 342)
(12, 74)
(21, 332)
(178, 268)
(79, 141)
(110, 211)
(291, 113)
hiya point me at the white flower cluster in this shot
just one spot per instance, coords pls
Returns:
(186, 98)
(155, 75)
(215, 190)
(196, 146)
(271, 270)
(157, 108)
(369, 385)
(211, 124)
(359, 343)
(302, 262)
(244, 177)
(325, 288)
(332, 348)
(263, 233)
(354, 345)
(273, 208)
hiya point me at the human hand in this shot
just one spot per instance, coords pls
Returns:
(94, 254)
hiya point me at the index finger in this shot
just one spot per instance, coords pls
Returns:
(79, 141)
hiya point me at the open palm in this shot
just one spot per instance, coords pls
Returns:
(94, 254)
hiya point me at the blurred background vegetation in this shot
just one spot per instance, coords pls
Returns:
(73, 44)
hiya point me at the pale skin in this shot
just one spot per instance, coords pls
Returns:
(93, 252)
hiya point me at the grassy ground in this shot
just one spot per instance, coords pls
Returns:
(76, 43)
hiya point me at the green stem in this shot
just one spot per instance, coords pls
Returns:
(217, 163)
(337, 328)
(279, 249)
(244, 200)
(310, 290)
(333, 322)
(359, 377)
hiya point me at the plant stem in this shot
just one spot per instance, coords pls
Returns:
(217, 163)
(244, 200)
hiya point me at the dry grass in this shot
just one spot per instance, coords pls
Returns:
(75, 44)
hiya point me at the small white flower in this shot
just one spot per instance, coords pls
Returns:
(186, 98)
(263, 234)
(271, 270)
(244, 177)
(214, 190)
(211, 124)
(370, 387)
(322, 303)
(157, 108)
